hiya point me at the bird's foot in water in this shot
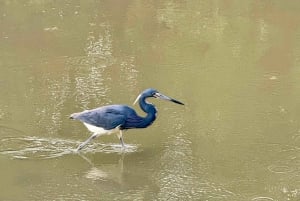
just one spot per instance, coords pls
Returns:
(80, 147)
(87, 141)
(124, 147)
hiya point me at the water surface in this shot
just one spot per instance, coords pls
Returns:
(235, 65)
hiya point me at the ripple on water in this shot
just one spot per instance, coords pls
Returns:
(31, 147)
(280, 169)
(262, 199)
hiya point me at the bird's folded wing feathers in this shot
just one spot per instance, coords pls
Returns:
(107, 119)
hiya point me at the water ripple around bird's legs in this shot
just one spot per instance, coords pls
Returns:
(31, 147)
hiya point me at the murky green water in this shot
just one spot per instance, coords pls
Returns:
(235, 64)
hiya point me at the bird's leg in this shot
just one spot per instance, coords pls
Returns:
(120, 136)
(87, 141)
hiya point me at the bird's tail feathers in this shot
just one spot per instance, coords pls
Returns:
(74, 115)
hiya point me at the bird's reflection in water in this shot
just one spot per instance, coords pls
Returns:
(105, 172)
(115, 173)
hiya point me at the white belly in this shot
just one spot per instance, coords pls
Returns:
(99, 130)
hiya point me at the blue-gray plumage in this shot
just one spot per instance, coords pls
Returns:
(113, 118)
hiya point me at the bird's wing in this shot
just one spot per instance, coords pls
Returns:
(107, 118)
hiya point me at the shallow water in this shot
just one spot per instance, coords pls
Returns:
(235, 65)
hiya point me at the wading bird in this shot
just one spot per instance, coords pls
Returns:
(115, 118)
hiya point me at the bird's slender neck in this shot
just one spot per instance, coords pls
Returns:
(149, 109)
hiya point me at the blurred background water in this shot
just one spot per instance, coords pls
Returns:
(235, 64)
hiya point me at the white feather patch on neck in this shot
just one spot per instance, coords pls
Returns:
(136, 100)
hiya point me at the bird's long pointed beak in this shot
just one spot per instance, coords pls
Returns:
(163, 97)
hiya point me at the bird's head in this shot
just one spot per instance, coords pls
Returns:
(155, 94)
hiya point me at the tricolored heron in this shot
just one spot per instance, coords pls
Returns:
(115, 118)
